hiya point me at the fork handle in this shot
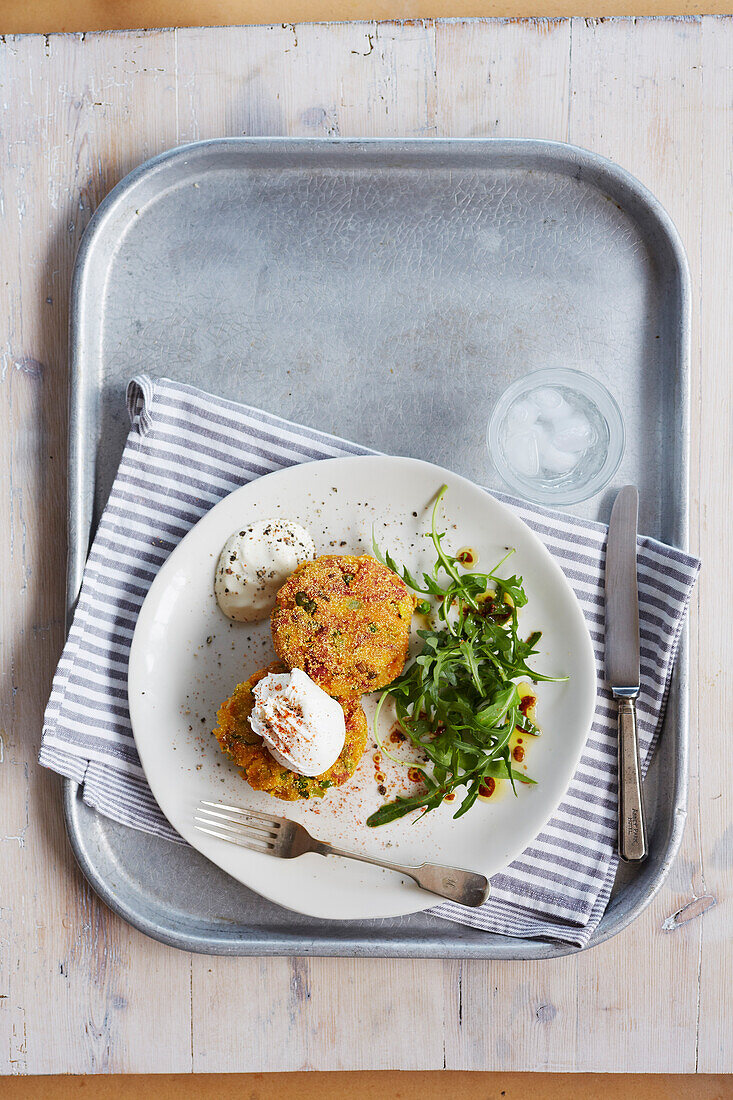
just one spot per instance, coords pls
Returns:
(465, 887)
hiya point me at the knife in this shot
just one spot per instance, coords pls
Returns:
(622, 668)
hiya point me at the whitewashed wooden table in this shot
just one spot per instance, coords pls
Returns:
(82, 992)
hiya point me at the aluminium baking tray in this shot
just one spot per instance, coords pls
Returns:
(386, 291)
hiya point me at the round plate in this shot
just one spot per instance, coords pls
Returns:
(186, 658)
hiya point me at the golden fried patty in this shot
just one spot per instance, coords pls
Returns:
(345, 621)
(241, 744)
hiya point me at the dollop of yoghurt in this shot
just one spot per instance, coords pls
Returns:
(255, 562)
(303, 727)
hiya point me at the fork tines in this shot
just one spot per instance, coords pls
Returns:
(249, 828)
(275, 822)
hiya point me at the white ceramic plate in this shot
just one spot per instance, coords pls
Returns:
(186, 658)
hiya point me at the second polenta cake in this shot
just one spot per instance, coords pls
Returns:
(262, 771)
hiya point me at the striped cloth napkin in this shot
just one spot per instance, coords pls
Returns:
(186, 450)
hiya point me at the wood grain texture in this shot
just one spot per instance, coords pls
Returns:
(637, 98)
(504, 79)
(79, 990)
(714, 461)
(364, 79)
(372, 1085)
(47, 16)
(76, 988)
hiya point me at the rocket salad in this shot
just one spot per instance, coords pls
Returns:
(458, 702)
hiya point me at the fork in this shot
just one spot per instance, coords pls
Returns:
(277, 836)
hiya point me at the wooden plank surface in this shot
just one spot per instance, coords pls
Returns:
(637, 98)
(76, 988)
(79, 990)
(373, 1085)
(713, 444)
(48, 16)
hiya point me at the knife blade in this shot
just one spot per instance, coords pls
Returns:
(623, 667)
(622, 596)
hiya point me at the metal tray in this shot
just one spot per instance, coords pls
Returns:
(387, 291)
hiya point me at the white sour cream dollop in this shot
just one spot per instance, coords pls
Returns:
(255, 562)
(303, 727)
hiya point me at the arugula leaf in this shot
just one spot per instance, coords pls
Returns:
(457, 703)
(388, 560)
(392, 810)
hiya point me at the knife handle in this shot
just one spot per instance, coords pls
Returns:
(631, 823)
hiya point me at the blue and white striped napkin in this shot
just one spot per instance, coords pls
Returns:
(186, 450)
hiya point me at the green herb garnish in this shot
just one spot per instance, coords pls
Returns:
(304, 601)
(457, 702)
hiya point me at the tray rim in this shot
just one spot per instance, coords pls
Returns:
(553, 155)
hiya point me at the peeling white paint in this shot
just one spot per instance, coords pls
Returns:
(690, 911)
